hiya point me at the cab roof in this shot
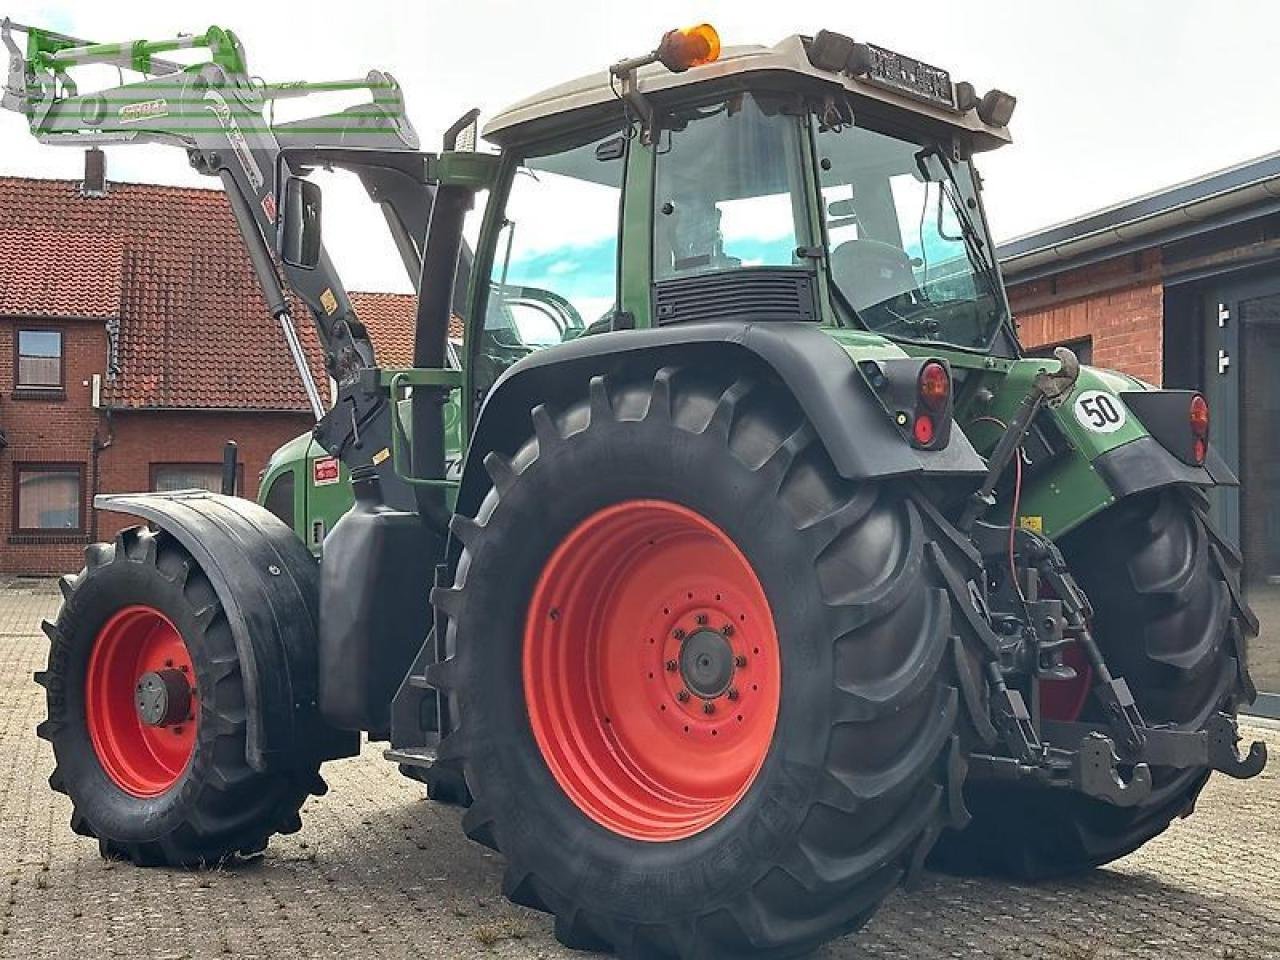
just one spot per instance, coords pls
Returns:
(592, 98)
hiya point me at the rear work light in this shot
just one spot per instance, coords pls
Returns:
(1198, 419)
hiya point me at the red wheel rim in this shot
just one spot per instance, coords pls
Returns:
(652, 672)
(141, 758)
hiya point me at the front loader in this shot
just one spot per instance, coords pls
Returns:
(771, 568)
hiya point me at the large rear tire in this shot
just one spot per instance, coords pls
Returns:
(146, 713)
(1165, 619)
(703, 685)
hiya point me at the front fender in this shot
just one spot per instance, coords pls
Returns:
(850, 420)
(269, 587)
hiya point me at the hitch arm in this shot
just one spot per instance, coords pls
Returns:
(1045, 387)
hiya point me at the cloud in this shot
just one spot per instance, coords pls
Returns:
(1111, 103)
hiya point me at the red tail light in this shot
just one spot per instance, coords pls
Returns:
(1198, 419)
(923, 431)
(934, 386)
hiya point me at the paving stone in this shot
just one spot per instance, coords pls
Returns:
(378, 872)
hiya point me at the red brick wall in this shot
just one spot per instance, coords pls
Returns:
(142, 438)
(1119, 304)
(48, 430)
(62, 429)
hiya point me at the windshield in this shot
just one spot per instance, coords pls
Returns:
(905, 248)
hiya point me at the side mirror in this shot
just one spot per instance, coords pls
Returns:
(299, 230)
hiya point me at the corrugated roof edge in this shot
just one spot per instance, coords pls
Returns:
(1146, 217)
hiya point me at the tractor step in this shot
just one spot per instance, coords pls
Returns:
(423, 756)
(420, 682)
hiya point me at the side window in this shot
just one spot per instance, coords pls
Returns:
(279, 499)
(555, 264)
(727, 194)
(191, 476)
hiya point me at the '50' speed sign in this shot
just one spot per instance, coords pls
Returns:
(1099, 411)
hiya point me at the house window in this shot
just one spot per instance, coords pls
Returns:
(39, 360)
(189, 476)
(1083, 348)
(48, 498)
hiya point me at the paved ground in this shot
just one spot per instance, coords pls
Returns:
(378, 872)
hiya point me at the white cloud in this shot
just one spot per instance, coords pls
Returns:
(1114, 98)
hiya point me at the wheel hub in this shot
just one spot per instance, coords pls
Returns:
(163, 697)
(706, 663)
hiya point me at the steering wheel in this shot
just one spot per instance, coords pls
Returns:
(873, 273)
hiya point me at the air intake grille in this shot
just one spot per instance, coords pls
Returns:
(745, 294)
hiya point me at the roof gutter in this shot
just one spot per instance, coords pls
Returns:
(1183, 209)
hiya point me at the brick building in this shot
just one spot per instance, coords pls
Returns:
(1181, 287)
(134, 342)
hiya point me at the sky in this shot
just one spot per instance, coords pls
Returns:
(1115, 97)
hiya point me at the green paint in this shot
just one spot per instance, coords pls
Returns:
(636, 246)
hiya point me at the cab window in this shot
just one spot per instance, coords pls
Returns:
(555, 264)
(728, 194)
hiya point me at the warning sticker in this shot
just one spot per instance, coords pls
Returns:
(269, 206)
(1034, 524)
(325, 471)
(380, 456)
(329, 301)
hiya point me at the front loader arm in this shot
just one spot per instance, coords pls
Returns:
(222, 117)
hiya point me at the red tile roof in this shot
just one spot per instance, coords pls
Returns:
(389, 318)
(52, 273)
(193, 328)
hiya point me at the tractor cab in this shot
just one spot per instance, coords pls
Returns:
(816, 180)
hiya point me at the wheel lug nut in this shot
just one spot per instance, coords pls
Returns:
(708, 707)
(727, 629)
(740, 660)
(672, 666)
(678, 633)
(733, 693)
(683, 696)
(702, 619)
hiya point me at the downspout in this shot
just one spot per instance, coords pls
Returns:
(95, 452)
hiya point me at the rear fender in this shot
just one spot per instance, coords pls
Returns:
(269, 587)
(850, 419)
(1102, 455)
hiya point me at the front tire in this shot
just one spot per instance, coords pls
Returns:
(635, 524)
(154, 787)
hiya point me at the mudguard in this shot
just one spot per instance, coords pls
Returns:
(849, 418)
(1080, 462)
(269, 587)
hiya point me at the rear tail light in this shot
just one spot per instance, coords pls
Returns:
(922, 431)
(933, 405)
(917, 394)
(1198, 419)
(934, 386)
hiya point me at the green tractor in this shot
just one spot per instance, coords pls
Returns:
(734, 564)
